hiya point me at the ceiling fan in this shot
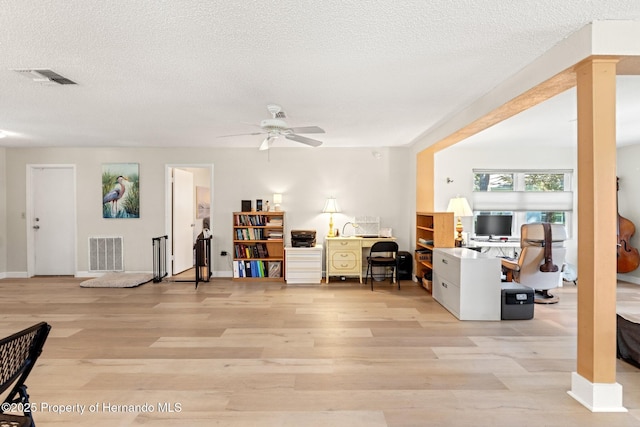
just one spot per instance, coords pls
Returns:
(276, 127)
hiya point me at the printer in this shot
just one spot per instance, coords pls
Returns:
(303, 238)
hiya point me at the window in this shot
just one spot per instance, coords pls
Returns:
(528, 195)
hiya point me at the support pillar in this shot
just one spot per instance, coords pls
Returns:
(594, 384)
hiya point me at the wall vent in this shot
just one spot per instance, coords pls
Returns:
(44, 75)
(106, 254)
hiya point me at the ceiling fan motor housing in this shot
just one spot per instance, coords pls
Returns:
(273, 125)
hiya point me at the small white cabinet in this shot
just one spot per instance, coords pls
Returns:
(303, 265)
(467, 283)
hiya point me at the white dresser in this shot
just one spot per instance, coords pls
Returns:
(303, 265)
(467, 283)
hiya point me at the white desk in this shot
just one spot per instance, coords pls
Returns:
(497, 248)
(344, 254)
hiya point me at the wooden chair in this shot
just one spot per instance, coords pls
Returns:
(18, 355)
(383, 254)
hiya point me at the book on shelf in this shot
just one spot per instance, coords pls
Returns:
(275, 235)
(257, 268)
(259, 250)
(249, 234)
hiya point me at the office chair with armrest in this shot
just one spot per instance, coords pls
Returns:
(528, 268)
(383, 254)
(18, 355)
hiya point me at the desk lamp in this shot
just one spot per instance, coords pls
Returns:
(353, 224)
(331, 207)
(460, 207)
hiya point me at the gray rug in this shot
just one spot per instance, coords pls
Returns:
(118, 280)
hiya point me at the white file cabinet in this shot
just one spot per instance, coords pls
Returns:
(467, 283)
(303, 265)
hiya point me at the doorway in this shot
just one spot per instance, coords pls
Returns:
(184, 223)
(51, 220)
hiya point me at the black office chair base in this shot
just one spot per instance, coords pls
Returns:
(544, 297)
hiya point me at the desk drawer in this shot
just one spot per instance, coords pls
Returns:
(447, 293)
(446, 267)
(337, 245)
(344, 262)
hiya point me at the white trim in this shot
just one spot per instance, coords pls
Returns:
(628, 278)
(167, 206)
(597, 397)
(16, 275)
(92, 274)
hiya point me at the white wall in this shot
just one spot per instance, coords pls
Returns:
(363, 185)
(628, 170)
(458, 162)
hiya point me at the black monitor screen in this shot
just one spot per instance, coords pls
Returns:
(493, 225)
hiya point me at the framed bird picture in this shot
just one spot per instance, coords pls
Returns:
(120, 190)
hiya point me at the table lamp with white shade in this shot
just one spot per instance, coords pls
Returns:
(460, 207)
(331, 207)
(277, 199)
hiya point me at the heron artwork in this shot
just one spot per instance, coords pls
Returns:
(120, 190)
(115, 194)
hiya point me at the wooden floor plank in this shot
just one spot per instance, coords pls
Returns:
(266, 354)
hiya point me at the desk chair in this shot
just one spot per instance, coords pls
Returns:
(18, 355)
(527, 271)
(383, 254)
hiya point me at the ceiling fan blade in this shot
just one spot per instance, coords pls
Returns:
(241, 134)
(307, 129)
(304, 140)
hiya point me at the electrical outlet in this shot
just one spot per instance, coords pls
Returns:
(223, 253)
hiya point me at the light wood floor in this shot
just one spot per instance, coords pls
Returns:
(267, 354)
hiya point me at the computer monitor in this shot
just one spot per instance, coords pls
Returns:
(493, 225)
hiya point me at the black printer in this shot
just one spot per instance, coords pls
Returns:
(303, 238)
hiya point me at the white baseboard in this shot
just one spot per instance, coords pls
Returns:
(92, 274)
(223, 274)
(628, 278)
(16, 275)
(597, 397)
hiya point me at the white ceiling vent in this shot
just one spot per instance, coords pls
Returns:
(44, 75)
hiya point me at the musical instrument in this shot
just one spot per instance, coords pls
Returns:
(628, 256)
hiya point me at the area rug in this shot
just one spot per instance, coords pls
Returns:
(118, 280)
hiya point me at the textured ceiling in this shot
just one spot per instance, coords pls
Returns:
(185, 72)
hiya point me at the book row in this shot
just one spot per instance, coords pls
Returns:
(250, 234)
(257, 220)
(257, 269)
(259, 250)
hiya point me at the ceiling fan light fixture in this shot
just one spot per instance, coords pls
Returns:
(266, 142)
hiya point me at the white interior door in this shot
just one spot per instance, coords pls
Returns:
(183, 220)
(53, 220)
